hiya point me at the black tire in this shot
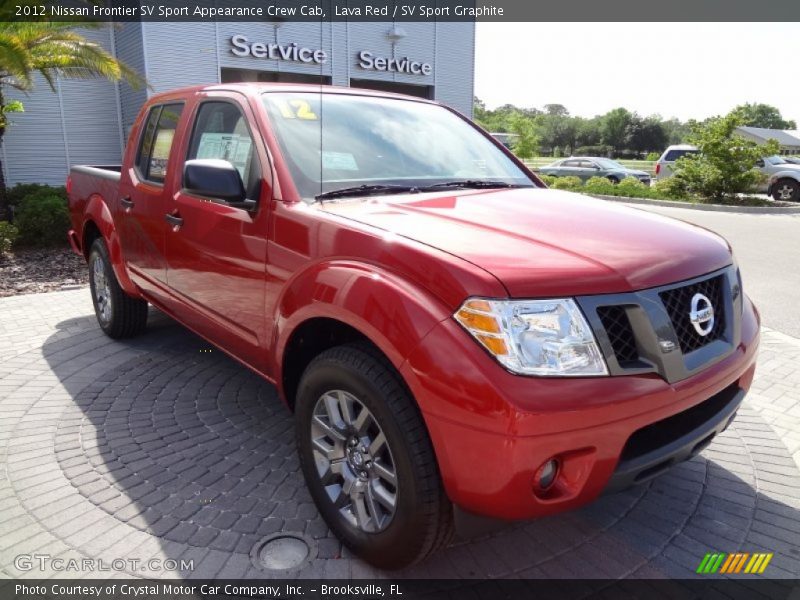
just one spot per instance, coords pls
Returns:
(613, 180)
(786, 190)
(422, 521)
(119, 315)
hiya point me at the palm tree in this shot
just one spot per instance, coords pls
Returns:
(52, 50)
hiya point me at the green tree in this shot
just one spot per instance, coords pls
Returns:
(527, 144)
(589, 132)
(675, 130)
(614, 127)
(556, 130)
(495, 121)
(763, 115)
(726, 163)
(645, 134)
(556, 109)
(52, 50)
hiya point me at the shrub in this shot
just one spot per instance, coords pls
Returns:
(19, 192)
(652, 156)
(42, 219)
(567, 183)
(8, 235)
(671, 188)
(630, 187)
(547, 179)
(726, 163)
(600, 185)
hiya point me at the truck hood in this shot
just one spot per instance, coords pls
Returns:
(544, 243)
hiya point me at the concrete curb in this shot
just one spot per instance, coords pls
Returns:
(759, 210)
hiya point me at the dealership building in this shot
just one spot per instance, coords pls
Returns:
(87, 122)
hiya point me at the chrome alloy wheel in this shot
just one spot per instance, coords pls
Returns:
(354, 461)
(785, 192)
(102, 292)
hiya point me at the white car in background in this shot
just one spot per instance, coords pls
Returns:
(783, 178)
(664, 164)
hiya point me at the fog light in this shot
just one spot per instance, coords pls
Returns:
(546, 474)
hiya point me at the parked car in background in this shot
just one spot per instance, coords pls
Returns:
(586, 167)
(666, 161)
(782, 180)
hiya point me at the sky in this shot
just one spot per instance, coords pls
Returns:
(684, 70)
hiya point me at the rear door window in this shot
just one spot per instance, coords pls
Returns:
(146, 145)
(159, 132)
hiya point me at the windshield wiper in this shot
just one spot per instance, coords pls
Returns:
(365, 190)
(469, 183)
(368, 190)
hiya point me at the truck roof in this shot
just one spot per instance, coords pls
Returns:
(257, 88)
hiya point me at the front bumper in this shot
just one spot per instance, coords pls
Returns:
(655, 448)
(492, 430)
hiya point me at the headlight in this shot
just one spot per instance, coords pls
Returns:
(534, 337)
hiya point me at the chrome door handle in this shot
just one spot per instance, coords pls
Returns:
(126, 202)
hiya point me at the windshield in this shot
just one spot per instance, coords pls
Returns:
(336, 141)
(608, 164)
(774, 160)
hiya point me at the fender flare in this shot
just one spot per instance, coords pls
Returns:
(389, 310)
(787, 174)
(97, 212)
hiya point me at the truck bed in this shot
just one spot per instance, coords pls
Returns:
(87, 182)
(104, 171)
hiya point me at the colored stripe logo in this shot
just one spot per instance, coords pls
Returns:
(739, 562)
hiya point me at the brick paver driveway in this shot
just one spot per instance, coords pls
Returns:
(162, 447)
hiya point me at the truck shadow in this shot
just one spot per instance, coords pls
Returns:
(172, 437)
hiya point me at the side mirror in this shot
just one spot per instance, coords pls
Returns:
(213, 178)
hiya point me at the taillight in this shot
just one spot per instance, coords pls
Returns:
(69, 184)
(658, 168)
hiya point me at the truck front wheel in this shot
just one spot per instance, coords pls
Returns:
(118, 314)
(367, 458)
(786, 189)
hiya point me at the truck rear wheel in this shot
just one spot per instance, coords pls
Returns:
(118, 314)
(367, 458)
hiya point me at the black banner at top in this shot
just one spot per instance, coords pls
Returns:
(399, 10)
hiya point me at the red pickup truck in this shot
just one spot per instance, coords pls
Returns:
(446, 330)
